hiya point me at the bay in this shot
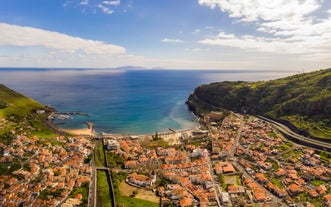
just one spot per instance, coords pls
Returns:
(122, 101)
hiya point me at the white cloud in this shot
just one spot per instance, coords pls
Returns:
(197, 31)
(250, 43)
(114, 3)
(20, 36)
(254, 10)
(296, 45)
(168, 40)
(84, 2)
(22, 46)
(32, 47)
(283, 26)
(105, 10)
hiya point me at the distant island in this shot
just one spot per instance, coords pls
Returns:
(302, 101)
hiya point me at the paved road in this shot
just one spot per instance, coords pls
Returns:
(284, 129)
(236, 141)
(93, 186)
(216, 185)
(302, 139)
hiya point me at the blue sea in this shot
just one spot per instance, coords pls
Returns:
(122, 101)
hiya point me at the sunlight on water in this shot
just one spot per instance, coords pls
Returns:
(134, 101)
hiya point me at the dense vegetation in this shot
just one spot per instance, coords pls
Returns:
(19, 113)
(303, 100)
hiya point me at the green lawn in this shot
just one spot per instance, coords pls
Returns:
(274, 164)
(99, 155)
(303, 197)
(126, 200)
(317, 182)
(276, 182)
(103, 189)
(132, 202)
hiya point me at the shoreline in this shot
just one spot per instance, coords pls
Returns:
(85, 132)
(90, 130)
(48, 121)
(169, 136)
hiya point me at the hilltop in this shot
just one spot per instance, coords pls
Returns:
(19, 113)
(301, 101)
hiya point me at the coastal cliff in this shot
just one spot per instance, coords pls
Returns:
(301, 101)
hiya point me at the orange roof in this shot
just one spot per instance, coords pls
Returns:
(260, 196)
(79, 196)
(312, 193)
(233, 189)
(185, 202)
(228, 168)
(327, 198)
(130, 162)
(280, 172)
(259, 190)
(271, 186)
(185, 181)
(164, 199)
(261, 177)
(218, 168)
(160, 189)
(294, 188)
(204, 168)
(203, 199)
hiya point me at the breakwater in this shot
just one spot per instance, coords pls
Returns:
(73, 113)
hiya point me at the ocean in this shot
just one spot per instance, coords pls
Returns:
(122, 101)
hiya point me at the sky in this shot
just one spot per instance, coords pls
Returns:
(173, 34)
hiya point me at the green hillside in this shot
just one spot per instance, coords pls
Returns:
(304, 100)
(18, 114)
(13, 103)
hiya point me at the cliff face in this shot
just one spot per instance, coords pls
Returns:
(304, 100)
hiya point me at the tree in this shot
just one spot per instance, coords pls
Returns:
(156, 136)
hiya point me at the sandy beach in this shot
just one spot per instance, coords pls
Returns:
(87, 131)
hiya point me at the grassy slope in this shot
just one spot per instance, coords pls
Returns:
(304, 99)
(16, 103)
(20, 112)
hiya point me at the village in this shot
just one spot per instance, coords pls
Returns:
(47, 171)
(232, 160)
(242, 161)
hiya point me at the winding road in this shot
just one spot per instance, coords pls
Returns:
(297, 137)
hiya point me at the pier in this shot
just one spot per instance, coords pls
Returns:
(90, 125)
